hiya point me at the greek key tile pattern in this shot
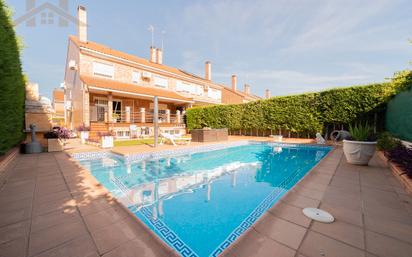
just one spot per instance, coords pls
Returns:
(166, 233)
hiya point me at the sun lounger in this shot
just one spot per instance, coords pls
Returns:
(175, 138)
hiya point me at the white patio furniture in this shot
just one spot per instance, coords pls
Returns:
(174, 139)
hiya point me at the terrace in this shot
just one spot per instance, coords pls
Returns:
(51, 206)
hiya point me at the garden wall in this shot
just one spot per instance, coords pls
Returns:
(399, 116)
(11, 84)
(305, 114)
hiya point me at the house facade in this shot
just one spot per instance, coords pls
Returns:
(58, 107)
(109, 90)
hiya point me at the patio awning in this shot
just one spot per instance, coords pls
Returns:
(108, 85)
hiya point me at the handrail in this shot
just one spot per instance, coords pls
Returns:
(136, 117)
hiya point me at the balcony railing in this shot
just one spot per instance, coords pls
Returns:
(144, 117)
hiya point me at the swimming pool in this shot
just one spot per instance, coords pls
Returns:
(200, 201)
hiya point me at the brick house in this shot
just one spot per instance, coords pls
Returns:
(109, 90)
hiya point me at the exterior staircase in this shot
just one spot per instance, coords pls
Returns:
(96, 128)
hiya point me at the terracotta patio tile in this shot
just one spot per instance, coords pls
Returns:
(300, 201)
(104, 218)
(290, 213)
(112, 236)
(16, 204)
(41, 191)
(62, 195)
(349, 201)
(130, 248)
(13, 231)
(68, 215)
(343, 214)
(399, 230)
(54, 205)
(315, 245)
(281, 230)
(14, 216)
(7, 198)
(385, 246)
(78, 247)
(344, 183)
(310, 193)
(341, 231)
(51, 237)
(373, 197)
(88, 205)
(255, 244)
(15, 248)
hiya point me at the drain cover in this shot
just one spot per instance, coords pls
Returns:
(318, 215)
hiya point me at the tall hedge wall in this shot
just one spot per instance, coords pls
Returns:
(304, 114)
(12, 91)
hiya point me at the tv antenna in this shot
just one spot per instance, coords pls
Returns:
(163, 33)
(151, 29)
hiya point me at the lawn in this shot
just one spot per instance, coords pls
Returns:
(132, 142)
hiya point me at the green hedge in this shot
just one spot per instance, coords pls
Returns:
(12, 91)
(304, 114)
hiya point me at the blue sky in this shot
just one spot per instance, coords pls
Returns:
(286, 46)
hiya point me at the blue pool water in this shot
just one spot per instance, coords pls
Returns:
(201, 202)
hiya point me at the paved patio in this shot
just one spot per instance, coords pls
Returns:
(49, 206)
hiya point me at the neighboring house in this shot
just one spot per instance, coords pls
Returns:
(109, 90)
(234, 96)
(58, 107)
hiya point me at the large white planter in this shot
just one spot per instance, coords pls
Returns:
(358, 152)
(106, 142)
(84, 135)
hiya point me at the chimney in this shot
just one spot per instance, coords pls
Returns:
(208, 70)
(152, 54)
(247, 89)
(234, 82)
(267, 93)
(82, 23)
(159, 56)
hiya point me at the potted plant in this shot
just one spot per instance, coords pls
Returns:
(84, 133)
(106, 140)
(361, 146)
(54, 144)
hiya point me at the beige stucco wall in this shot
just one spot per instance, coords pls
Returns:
(74, 90)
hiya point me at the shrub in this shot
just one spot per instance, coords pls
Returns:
(360, 132)
(11, 84)
(305, 113)
(402, 156)
(387, 143)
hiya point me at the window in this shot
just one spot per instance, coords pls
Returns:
(135, 77)
(214, 94)
(102, 69)
(100, 101)
(160, 82)
(123, 134)
(199, 90)
(183, 87)
(189, 88)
